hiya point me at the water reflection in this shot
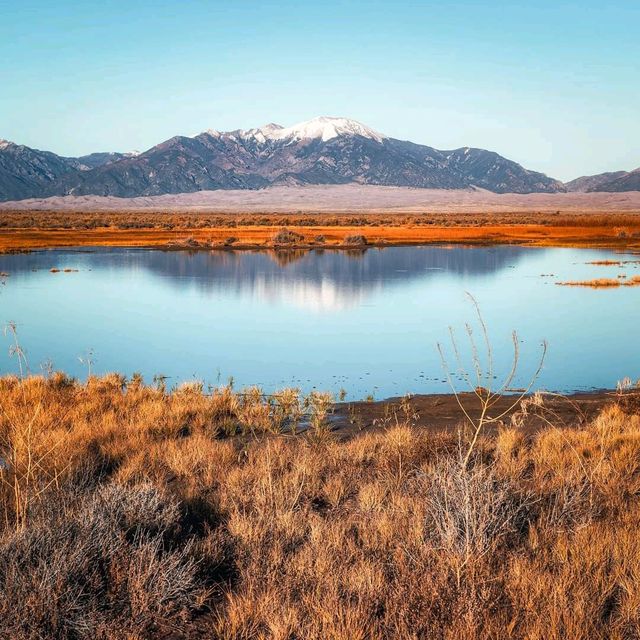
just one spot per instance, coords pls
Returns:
(364, 321)
(317, 280)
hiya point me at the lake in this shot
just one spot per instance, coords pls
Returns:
(366, 322)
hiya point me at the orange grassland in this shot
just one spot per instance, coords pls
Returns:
(581, 233)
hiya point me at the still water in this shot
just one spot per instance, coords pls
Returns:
(367, 323)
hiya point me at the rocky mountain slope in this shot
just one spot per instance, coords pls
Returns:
(25, 172)
(612, 182)
(320, 151)
(630, 181)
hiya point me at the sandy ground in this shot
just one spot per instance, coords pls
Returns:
(344, 198)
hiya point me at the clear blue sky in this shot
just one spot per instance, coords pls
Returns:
(552, 84)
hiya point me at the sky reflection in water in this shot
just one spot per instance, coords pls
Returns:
(366, 322)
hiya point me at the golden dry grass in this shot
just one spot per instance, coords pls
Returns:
(132, 512)
(604, 283)
(20, 230)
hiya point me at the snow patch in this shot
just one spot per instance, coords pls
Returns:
(326, 128)
(323, 128)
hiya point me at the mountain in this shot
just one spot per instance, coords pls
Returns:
(615, 181)
(630, 181)
(99, 159)
(320, 151)
(25, 171)
(584, 184)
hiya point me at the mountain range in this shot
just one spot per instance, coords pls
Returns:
(320, 151)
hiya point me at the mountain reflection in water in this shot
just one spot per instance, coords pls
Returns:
(366, 321)
(319, 280)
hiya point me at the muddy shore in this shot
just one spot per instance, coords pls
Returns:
(441, 412)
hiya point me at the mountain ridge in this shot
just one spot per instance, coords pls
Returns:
(322, 151)
(611, 181)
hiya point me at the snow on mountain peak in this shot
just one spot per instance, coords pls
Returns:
(326, 128)
(5, 143)
(271, 127)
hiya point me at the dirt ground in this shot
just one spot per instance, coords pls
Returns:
(441, 412)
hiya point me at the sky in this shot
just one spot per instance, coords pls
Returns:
(553, 85)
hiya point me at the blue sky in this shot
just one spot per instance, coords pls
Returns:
(554, 85)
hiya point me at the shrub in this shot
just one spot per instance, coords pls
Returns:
(356, 240)
(100, 568)
(470, 510)
(286, 236)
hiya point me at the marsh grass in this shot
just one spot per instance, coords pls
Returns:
(192, 514)
(129, 511)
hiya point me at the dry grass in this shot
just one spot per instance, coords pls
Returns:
(20, 230)
(154, 514)
(604, 283)
(184, 221)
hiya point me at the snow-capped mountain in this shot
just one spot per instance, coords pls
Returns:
(323, 128)
(324, 150)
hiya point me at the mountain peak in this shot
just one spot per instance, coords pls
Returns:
(5, 143)
(326, 128)
(323, 128)
(272, 126)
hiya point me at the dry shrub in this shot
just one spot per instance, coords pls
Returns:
(356, 240)
(471, 511)
(187, 221)
(286, 236)
(100, 568)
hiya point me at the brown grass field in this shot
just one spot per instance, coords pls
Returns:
(128, 511)
(24, 230)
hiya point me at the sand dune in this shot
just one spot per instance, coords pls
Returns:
(344, 198)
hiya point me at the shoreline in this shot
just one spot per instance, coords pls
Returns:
(440, 412)
(433, 412)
